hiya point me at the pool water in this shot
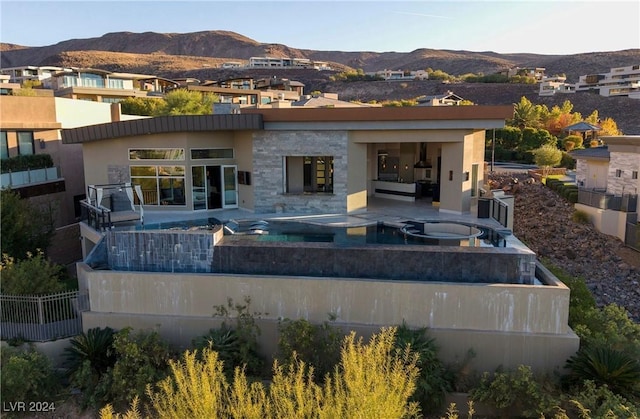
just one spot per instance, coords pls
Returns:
(294, 231)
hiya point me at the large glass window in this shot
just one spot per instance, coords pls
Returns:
(211, 153)
(91, 80)
(161, 185)
(309, 174)
(25, 143)
(4, 145)
(156, 154)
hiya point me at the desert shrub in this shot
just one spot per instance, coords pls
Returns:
(516, 390)
(593, 401)
(373, 380)
(316, 345)
(142, 358)
(581, 217)
(434, 379)
(27, 376)
(604, 365)
(572, 197)
(609, 326)
(238, 344)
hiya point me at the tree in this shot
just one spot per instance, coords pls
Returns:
(142, 106)
(609, 127)
(547, 157)
(26, 229)
(525, 114)
(573, 141)
(187, 102)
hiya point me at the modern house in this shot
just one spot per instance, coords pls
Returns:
(30, 73)
(549, 86)
(310, 164)
(620, 81)
(608, 180)
(445, 99)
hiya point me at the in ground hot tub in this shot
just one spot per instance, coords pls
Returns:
(442, 230)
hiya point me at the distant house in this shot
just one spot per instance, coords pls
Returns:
(535, 72)
(327, 100)
(549, 86)
(620, 81)
(445, 99)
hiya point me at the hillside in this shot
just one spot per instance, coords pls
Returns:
(227, 45)
(200, 54)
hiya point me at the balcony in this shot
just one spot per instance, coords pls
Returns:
(29, 177)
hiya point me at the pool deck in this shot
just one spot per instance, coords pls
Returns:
(379, 210)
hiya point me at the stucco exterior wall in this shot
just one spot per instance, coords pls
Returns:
(504, 324)
(608, 222)
(627, 163)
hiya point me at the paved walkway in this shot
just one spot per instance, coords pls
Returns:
(379, 210)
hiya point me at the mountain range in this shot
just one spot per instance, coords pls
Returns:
(200, 55)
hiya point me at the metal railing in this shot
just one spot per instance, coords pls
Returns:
(42, 318)
(97, 217)
(603, 200)
(28, 177)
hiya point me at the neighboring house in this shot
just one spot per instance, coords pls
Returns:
(30, 72)
(286, 62)
(609, 185)
(620, 81)
(535, 72)
(249, 92)
(6, 86)
(400, 75)
(446, 99)
(105, 86)
(327, 100)
(31, 125)
(549, 86)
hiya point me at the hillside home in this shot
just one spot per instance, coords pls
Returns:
(30, 72)
(549, 86)
(105, 86)
(446, 99)
(400, 75)
(535, 72)
(286, 62)
(246, 91)
(608, 181)
(316, 164)
(620, 81)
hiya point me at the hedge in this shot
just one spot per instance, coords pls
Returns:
(23, 163)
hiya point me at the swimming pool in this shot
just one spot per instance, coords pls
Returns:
(430, 233)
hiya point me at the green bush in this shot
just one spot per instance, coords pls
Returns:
(27, 376)
(604, 365)
(238, 345)
(26, 162)
(516, 391)
(567, 161)
(572, 197)
(315, 345)
(434, 379)
(34, 275)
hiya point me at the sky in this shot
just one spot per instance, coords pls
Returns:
(514, 26)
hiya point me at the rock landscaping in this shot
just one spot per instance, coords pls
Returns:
(543, 221)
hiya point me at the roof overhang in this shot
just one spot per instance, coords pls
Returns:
(162, 125)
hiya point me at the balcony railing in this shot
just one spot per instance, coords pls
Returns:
(29, 177)
(603, 200)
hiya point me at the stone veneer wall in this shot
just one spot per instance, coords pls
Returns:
(408, 263)
(161, 251)
(269, 148)
(627, 162)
